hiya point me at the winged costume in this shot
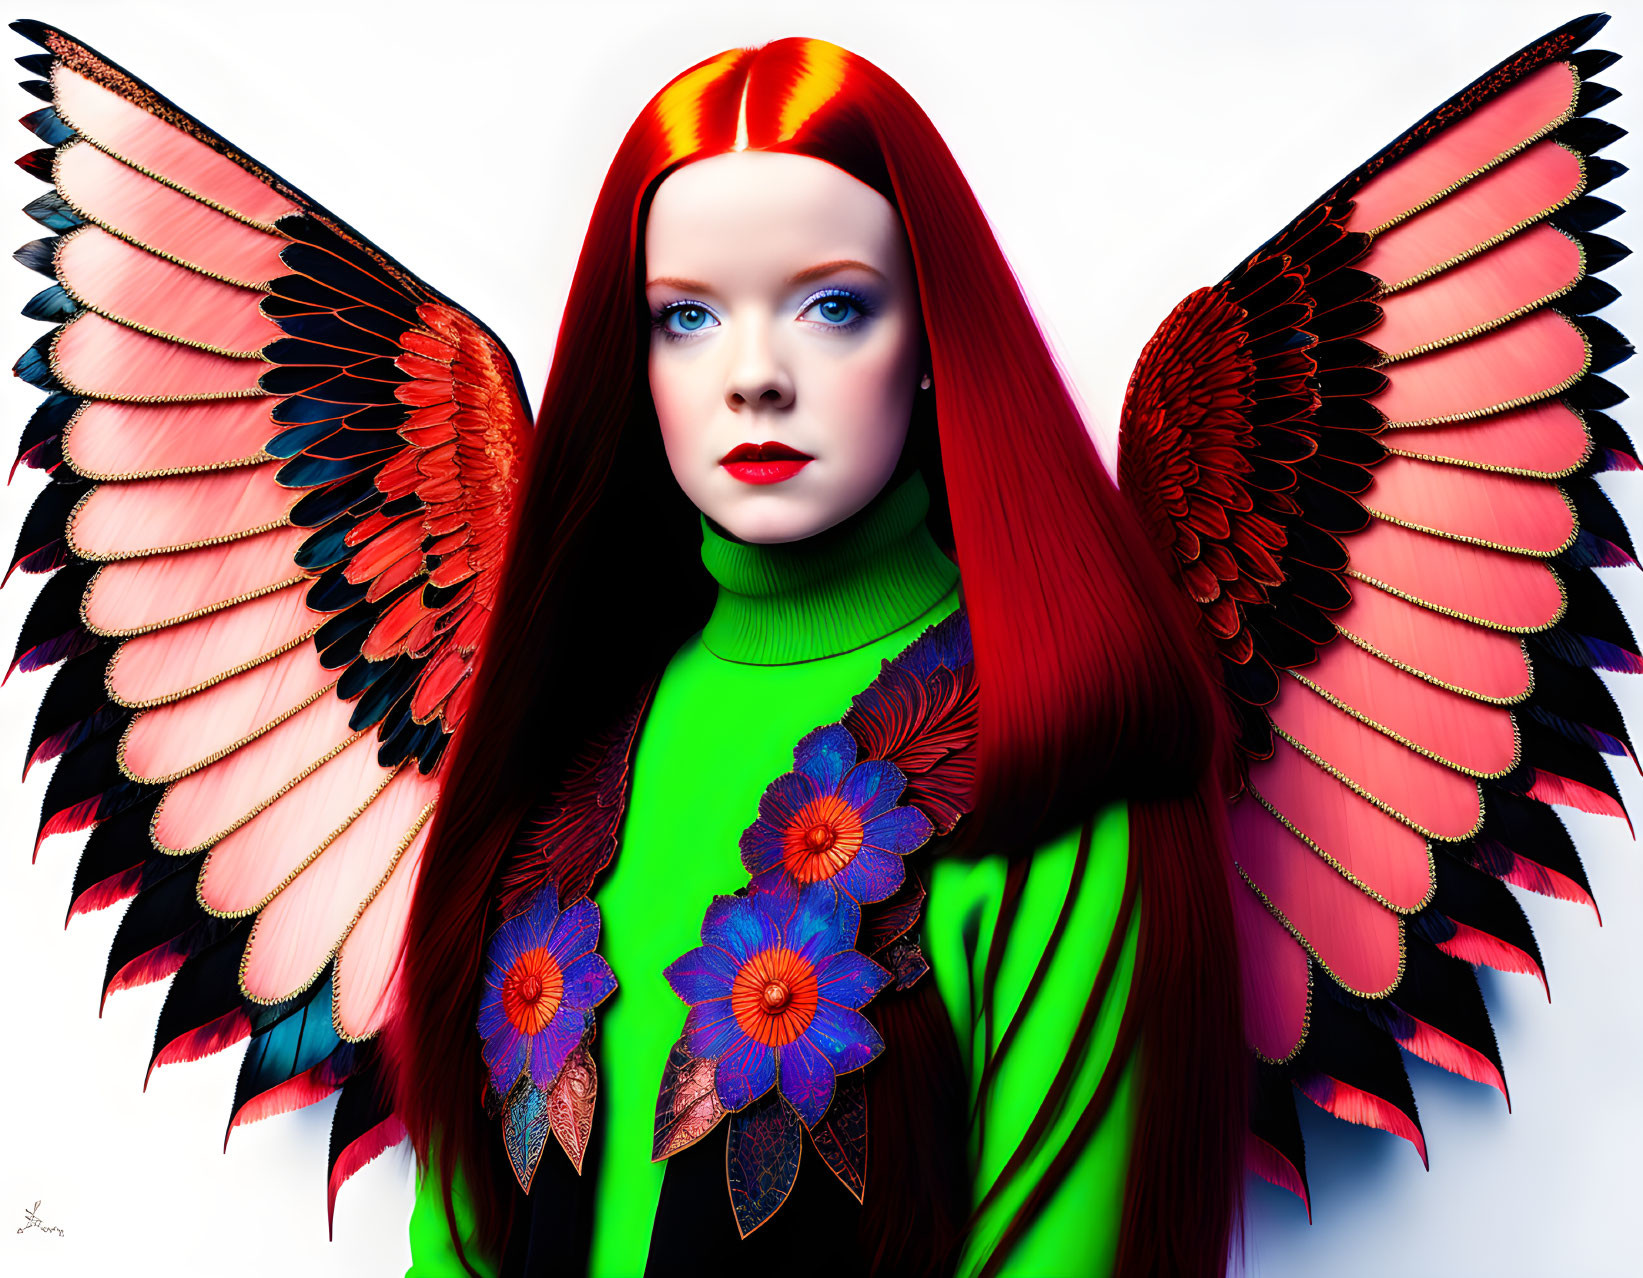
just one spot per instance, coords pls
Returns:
(284, 473)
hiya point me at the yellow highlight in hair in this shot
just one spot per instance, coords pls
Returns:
(823, 74)
(741, 118)
(679, 106)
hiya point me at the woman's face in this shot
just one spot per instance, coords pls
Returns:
(785, 342)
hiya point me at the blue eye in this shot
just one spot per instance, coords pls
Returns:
(836, 309)
(685, 317)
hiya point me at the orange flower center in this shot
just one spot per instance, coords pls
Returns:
(823, 837)
(532, 990)
(774, 997)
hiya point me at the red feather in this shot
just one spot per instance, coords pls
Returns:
(384, 1136)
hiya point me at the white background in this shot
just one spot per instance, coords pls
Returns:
(1125, 155)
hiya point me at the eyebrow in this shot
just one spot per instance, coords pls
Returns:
(802, 277)
(827, 268)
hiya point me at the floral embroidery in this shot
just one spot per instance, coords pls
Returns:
(543, 982)
(774, 1039)
(774, 990)
(543, 979)
(833, 819)
(774, 1042)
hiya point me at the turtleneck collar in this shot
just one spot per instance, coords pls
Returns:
(839, 590)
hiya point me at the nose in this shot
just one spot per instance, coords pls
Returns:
(758, 377)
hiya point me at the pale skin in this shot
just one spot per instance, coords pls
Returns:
(784, 310)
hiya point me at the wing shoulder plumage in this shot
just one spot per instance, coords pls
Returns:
(1369, 454)
(282, 475)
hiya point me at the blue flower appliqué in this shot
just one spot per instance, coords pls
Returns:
(542, 981)
(774, 989)
(835, 820)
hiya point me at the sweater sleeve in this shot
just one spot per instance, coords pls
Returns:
(433, 1253)
(1077, 1231)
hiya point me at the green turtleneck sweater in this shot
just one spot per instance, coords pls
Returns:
(798, 629)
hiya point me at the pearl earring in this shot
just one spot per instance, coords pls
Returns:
(924, 382)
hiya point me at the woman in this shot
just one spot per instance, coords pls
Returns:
(757, 190)
(268, 640)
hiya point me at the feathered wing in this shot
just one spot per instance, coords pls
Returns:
(1370, 454)
(283, 470)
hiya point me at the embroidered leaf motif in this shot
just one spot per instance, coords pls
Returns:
(920, 714)
(891, 918)
(525, 1129)
(905, 961)
(841, 1136)
(762, 1160)
(570, 1104)
(688, 1108)
(570, 837)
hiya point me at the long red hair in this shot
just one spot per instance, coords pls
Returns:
(1092, 681)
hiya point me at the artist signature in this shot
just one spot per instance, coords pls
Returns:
(34, 1221)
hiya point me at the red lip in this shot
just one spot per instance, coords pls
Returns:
(770, 450)
(767, 463)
